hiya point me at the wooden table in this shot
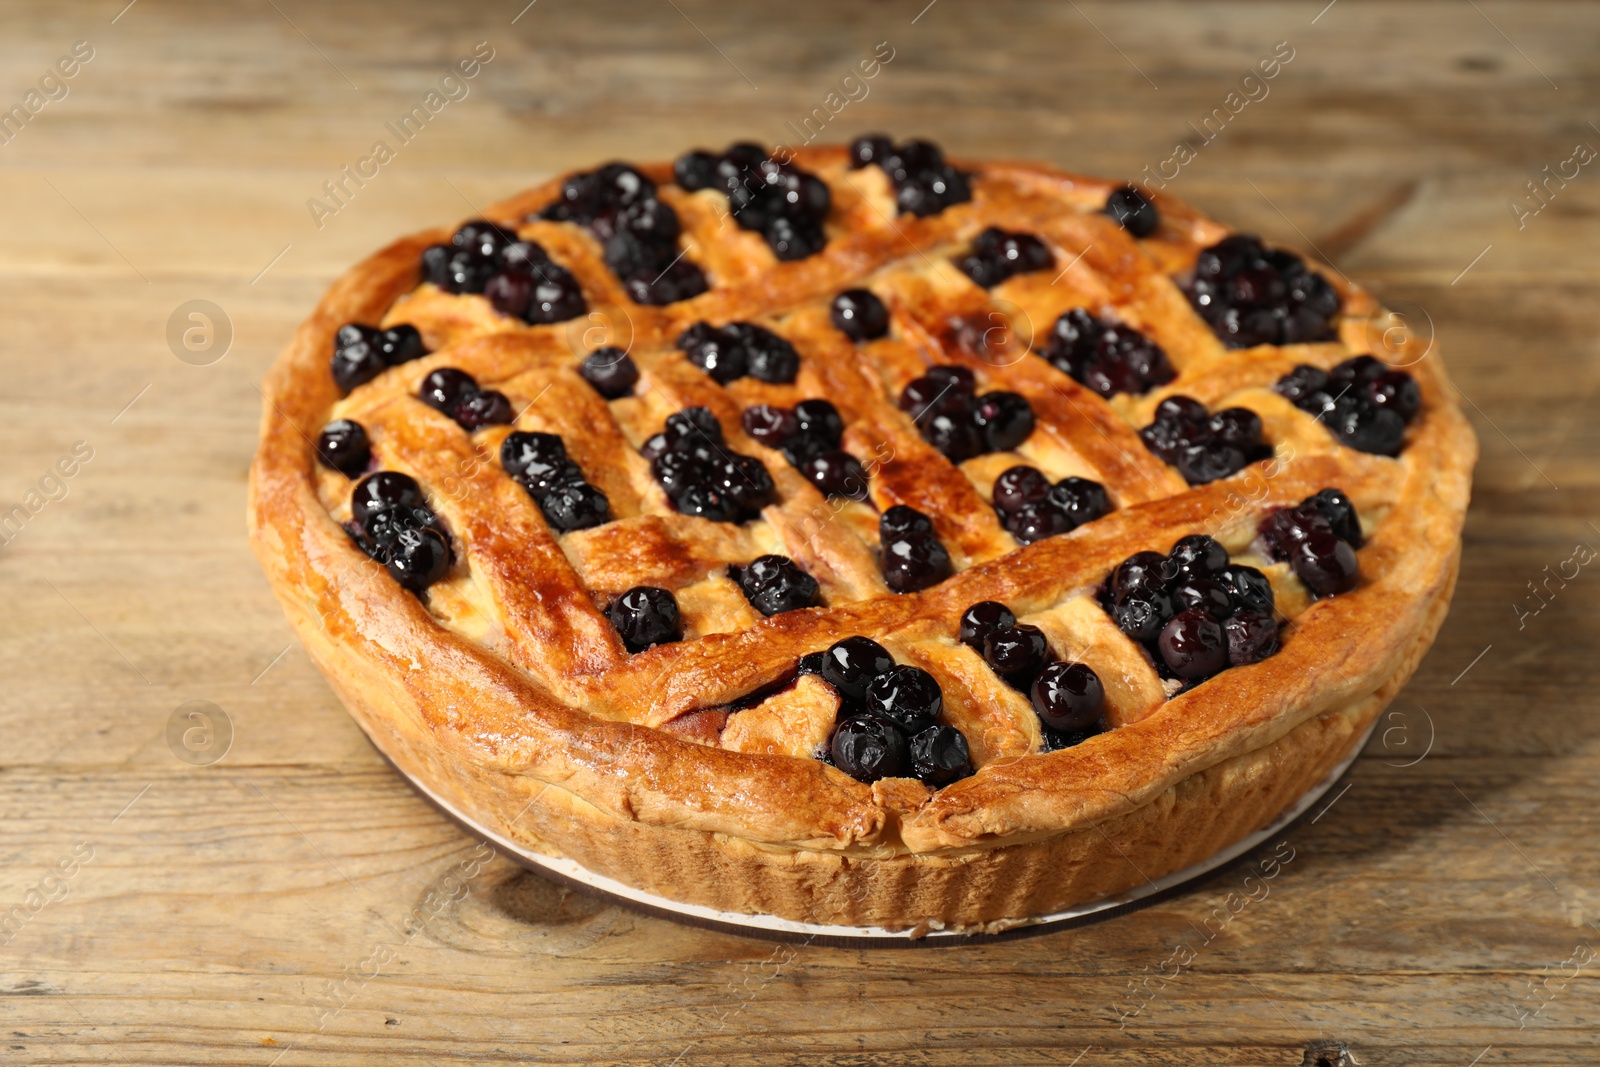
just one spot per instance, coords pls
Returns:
(249, 911)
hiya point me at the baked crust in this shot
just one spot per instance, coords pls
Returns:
(510, 696)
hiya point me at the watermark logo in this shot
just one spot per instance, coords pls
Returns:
(199, 332)
(199, 733)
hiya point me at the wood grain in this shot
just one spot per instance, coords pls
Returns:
(294, 903)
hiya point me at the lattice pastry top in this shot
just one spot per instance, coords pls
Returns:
(855, 500)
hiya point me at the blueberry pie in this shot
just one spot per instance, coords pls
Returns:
(857, 535)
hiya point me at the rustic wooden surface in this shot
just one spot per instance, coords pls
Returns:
(251, 912)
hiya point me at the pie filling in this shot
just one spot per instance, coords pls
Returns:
(1191, 612)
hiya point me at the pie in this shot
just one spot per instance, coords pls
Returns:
(858, 536)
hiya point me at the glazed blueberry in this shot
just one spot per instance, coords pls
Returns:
(693, 426)
(939, 756)
(907, 696)
(720, 356)
(983, 619)
(850, 666)
(1326, 564)
(695, 170)
(1017, 653)
(383, 490)
(1192, 645)
(1247, 587)
(1141, 615)
(1302, 384)
(1204, 447)
(820, 420)
(1366, 427)
(868, 748)
(482, 237)
(419, 558)
(1205, 594)
(914, 561)
(1340, 513)
(575, 507)
(772, 358)
(1395, 391)
(1080, 499)
(444, 386)
(1068, 697)
(998, 255)
(510, 292)
(739, 348)
(1252, 637)
(646, 616)
(954, 434)
(1018, 486)
(837, 473)
(775, 584)
(1284, 528)
(343, 446)
(811, 663)
(1361, 401)
(745, 480)
(869, 148)
(1239, 427)
(1035, 522)
(1004, 419)
(769, 424)
(487, 407)
(556, 296)
(361, 353)
(1133, 211)
(1107, 357)
(522, 452)
(901, 520)
(1195, 556)
(1140, 572)
(704, 501)
(611, 371)
(1251, 295)
(860, 315)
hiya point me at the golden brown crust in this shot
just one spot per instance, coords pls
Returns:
(509, 690)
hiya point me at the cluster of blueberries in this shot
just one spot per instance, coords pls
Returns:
(638, 230)
(775, 584)
(343, 446)
(1108, 357)
(1318, 538)
(1068, 697)
(910, 554)
(888, 723)
(1204, 446)
(1193, 610)
(646, 616)
(730, 352)
(393, 524)
(1032, 509)
(361, 353)
(924, 184)
(456, 393)
(700, 475)
(776, 199)
(1253, 295)
(1365, 402)
(516, 276)
(808, 435)
(997, 255)
(953, 418)
(1133, 211)
(539, 463)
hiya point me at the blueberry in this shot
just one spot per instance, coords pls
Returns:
(868, 149)
(982, 619)
(444, 386)
(482, 237)
(792, 239)
(695, 170)
(837, 473)
(1019, 486)
(720, 355)
(1326, 564)
(611, 371)
(1195, 556)
(1133, 211)
(1192, 645)
(419, 558)
(1202, 464)
(819, 419)
(1068, 697)
(1017, 653)
(510, 292)
(769, 424)
(556, 296)
(914, 561)
(1004, 419)
(1284, 528)
(868, 748)
(1140, 615)
(646, 616)
(811, 663)
(772, 358)
(1340, 513)
(681, 280)
(1246, 587)
(909, 697)
(1363, 426)
(1395, 391)
(1140, 572)
(954, 434)
(382, 490)
(522, 451)
(939, 756)
(706, 502)
(1035, 522)
(1205, 594)
(860, 315)
(693, 426)
(1080, 499)
(356, 358)
(850, 666)
(901, 520)
(343, 446)
(775, 584)
(575, 507)
(400, 344)
(1239, 427)
(1252, 637)
(745, 480)
(488, 407)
